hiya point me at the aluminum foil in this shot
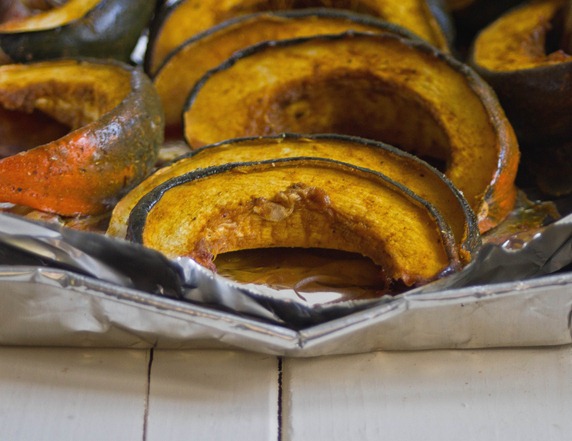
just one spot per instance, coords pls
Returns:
(61, 287)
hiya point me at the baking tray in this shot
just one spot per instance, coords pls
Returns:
(61, 287)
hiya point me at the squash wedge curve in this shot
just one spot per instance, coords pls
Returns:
(296, 202)
(396, 164)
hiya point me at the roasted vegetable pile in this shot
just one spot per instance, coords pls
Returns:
(396, 131)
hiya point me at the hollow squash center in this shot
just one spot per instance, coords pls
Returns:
(359, 104)
(311, 271)
(20, 131)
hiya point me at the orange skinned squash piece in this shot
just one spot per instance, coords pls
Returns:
(115, 124)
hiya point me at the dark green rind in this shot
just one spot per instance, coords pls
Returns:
(471, 19)
(537, 101)
(140, 116)
(110, 30)
(444, 19)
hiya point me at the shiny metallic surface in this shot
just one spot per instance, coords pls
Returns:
(88, 292)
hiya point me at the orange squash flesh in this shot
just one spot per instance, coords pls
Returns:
(516, 41)
(378, 86)
(191, 60)
(296, 202)
(187, 18)
(115, 130)
(411, 172)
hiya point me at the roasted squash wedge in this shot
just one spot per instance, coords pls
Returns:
(110, 125)
(377, 86)
(184, 19)
(87, 28)
(396, 164)
(524, 57)
(192, 59)
(296, 202)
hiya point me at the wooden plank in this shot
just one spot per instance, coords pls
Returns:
(213, 395)
(72, 394)
(523, 394)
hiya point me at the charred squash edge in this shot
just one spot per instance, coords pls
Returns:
(138, 216)
(500, 195)
(141, 120)
(110, 30)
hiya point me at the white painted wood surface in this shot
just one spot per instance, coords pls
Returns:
(212, 395)
(106, 394)
(72, 394)
(486, 395)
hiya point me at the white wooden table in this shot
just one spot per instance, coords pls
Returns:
(143, 395)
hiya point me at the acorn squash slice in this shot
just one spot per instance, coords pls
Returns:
(526, 56)
(86, 28)
(192, 59)
(396, 164)
(377, 86)
(530, 70)
(299, 203)
(108, 124)
(186, 18)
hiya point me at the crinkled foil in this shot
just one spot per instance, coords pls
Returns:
(60, 287)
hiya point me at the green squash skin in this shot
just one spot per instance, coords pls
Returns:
(110, 30)
(537, 101)
(142, 123)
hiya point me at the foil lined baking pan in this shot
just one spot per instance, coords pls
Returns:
(60, 287)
